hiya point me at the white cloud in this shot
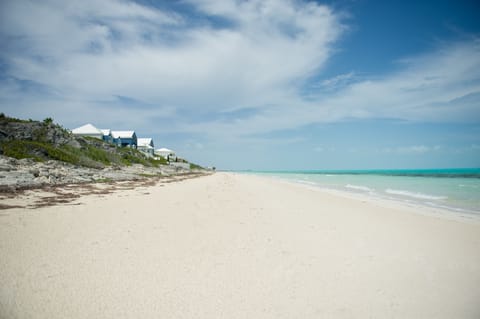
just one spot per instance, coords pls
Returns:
(339, 81)
(83, 53)
(414, 149)
(98, 49)
(442, 86)
(436, 86)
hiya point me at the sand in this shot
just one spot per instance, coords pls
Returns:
(235, 246)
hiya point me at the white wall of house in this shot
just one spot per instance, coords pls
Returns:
(165, 152)
(145, 145)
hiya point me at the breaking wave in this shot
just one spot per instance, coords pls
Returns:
(413, 195)
(360, 188)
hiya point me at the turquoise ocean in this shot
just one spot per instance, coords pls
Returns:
(457, 190)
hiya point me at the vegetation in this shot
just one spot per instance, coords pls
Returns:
(4, 118)
(48, 121)
(160, 161)
(131, 156)
(41, 151)
(22, 149)
(195, 166)
(40, 145)
(88, 155)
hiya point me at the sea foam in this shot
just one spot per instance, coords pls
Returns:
(413, 195)
(359, 187)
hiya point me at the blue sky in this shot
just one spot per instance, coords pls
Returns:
(273, 84)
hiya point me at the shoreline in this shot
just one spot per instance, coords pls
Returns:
(38, 196)
(413, 207)
(236, 246)
(430, 209)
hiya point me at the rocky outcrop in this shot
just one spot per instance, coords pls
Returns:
(35, 131)
(27, 173)
(35, 154)
(45, 141)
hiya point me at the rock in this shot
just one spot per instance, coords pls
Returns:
(53, 174)
(42, 180)
(43, 172)
(26, 162)
(7, 163)
(74, 143)
(27, 173)
(5, 167)
(34, 171)
(20, 179)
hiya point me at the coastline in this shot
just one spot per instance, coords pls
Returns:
(443, 191)
(391, 203)
(233, 245)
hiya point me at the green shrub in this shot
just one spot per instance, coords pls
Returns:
(21, 149)
(98, 154)
(160, 161)
(48, 121)
(195, 166)
(40, 151)
(5, 118)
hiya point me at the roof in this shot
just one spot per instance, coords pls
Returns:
(164, 150)
(142, 141)
(86, 129)
(123, 134)
(106, 131)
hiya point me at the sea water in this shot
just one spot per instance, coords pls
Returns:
(457, 190)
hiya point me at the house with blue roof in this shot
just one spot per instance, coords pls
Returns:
(124, 138)
(107, 135)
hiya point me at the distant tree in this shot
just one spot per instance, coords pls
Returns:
(48, 121)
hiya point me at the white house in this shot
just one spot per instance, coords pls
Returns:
(145, 145)
(166, 153)
(88, 130)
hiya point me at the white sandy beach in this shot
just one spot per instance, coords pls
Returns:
(235, 246)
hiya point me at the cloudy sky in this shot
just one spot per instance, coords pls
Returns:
(250, 84)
